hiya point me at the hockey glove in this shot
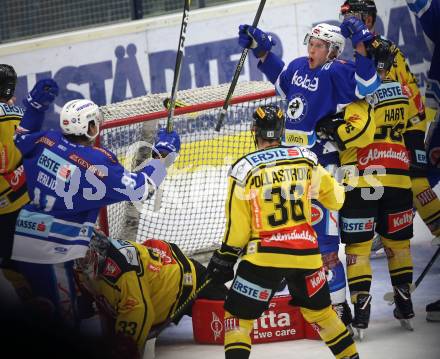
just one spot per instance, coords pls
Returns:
(166, 145)
(221, 265)
(258, 41)
(42, 95)
(355, 29)
(327, 129)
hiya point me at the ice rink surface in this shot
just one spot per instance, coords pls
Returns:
(384, 339)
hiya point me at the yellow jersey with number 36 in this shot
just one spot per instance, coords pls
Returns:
(268, 208)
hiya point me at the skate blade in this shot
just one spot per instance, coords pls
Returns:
(360, 334)
(406, 324)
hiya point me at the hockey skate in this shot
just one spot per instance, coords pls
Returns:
(377, 249)
(361, 314)
(344, 313)
(433, 312)
(404, 309)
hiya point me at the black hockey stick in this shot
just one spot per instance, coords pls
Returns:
(172, 101)
(238, 71)
(389, 297)
(178, 65)
(155, 331)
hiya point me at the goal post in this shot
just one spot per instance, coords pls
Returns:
(194, 192)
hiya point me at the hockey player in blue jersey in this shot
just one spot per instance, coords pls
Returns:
(69, 180)
(428, 12)
(316, 87)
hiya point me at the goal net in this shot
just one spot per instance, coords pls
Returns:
(190, 210)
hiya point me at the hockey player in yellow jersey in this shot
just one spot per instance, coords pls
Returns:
(425, 200)
(379, 193)
(139, 285)
(268, 225)
(13, 191)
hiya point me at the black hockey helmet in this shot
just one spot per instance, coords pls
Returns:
(359, 8)
(268, 122)
(382, 52)
(8, 81)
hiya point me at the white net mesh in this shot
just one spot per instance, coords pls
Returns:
(191, 210)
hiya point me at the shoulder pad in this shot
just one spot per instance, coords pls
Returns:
(121, 257)
(107, 154)
(240, 169)
(6, 110)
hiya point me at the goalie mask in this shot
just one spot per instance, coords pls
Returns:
(8, 81)
(330, 34)
(382, 52)
(358, 8)
(76, 116)
(90, 265)
(268, 122)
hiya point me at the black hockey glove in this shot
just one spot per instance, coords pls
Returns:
(221, 265)
(327, 129)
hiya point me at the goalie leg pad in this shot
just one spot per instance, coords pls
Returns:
(237, 336)
(332, 331)
(359, 272)
(399, 259)
(427, 204)
(252, 289)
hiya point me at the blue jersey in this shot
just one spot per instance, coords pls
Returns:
(326, 222)
(68, 184)
(312, 94)
(428, 12)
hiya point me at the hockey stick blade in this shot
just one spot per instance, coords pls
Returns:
(238, 71)
(389, 296)
(154, 332)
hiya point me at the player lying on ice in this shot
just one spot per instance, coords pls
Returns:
(139, 286)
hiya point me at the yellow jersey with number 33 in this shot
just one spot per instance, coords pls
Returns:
(268, 208)
(141, 285)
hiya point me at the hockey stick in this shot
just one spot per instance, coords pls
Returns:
(155, 331)
(238, 71)
(172, 101)
(178, 65)
(389, 297)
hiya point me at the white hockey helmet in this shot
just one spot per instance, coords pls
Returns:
(76, 116)
(330, 34)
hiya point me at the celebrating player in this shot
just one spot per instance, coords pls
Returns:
(315, 87)
(139, 286)
(68, 181)
(428, 12)
(268, 225)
